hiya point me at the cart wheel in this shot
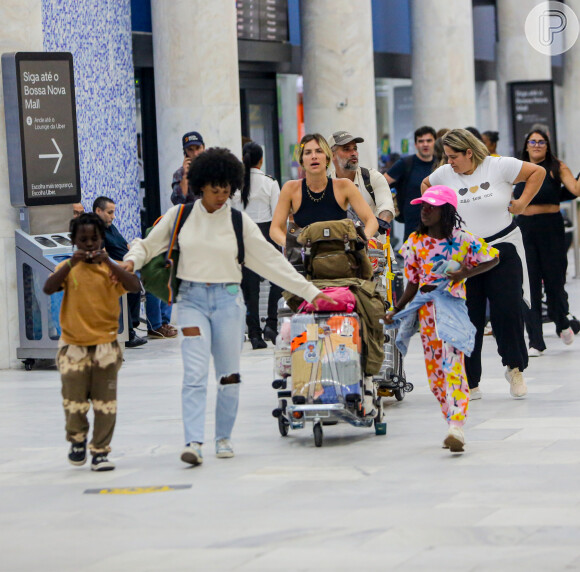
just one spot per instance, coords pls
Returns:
(380, 428)
(283, 426)
(399, 394)
(28, 363)
(318, 434)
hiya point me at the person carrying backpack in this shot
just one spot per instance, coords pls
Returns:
(211, 308)
(371, 184)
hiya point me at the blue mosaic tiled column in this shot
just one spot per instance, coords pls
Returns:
(98, 34)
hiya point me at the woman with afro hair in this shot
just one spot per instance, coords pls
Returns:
(211, 307)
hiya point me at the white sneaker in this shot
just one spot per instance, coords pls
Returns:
(567, 336)
(224, 449)
(455, 440)
(533, 352)
(475, 393)
(518, 388)
(192, 454)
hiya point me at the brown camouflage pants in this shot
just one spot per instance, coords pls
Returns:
(90, 373)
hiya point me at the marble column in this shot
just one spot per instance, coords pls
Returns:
(442, 63)
(289, 126)
(195, 53)
(338, 71)
(516, 61)
(20, 31)
(486, 105)
(569, 130)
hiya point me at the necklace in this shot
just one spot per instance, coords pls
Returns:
(311, 197)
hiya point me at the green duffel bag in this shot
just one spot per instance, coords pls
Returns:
(335, 249)
(159, 275)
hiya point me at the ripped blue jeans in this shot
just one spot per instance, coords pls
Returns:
(218, 311)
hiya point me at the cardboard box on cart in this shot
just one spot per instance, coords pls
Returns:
(326, 362)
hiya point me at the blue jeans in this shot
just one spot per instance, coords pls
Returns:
(157, 311)
(218, 311)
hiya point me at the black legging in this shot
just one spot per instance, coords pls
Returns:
(251, 291)
(545, 243)
(502, 286)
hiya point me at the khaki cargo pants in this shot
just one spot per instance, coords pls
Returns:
(90, 373)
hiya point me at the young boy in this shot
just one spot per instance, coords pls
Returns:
(89, 356)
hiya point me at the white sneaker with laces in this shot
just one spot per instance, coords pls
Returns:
(533, 352)
(224, 449)
(567, 336)
(192, 454)
(455, 440)
(518, 388)
(475, 393)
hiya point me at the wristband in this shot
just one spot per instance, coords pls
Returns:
(397, 309)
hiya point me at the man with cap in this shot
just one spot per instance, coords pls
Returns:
(193, 145)
(407, 174)
(372, 185)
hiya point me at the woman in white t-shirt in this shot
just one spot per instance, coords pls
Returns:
(484, 187)
(258, 200)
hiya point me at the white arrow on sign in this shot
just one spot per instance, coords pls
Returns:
(53, 156)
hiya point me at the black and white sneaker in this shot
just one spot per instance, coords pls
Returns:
(77, 454)
(101, 462)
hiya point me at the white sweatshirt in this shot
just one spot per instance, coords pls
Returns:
(208, 251)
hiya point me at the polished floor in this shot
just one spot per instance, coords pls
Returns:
(396, 502)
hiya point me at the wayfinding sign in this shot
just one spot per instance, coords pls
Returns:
(41, 128)
(532, 103)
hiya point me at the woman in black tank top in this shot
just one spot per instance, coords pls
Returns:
(318, 206)
(316, 197)
(542, 229)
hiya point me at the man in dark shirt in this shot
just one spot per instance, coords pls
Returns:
(407, 174)
(193, 145)
(116, 246)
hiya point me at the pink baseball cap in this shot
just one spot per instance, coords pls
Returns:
(437, 196)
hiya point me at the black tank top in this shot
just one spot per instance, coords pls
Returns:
(325, 208)
(549, 193)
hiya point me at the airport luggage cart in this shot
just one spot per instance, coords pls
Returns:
(319, 375)
(391, 379)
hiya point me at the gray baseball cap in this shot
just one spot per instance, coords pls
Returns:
(342, 138)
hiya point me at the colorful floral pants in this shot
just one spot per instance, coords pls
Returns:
(445, 370)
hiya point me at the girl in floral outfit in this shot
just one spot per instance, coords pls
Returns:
(439, 257)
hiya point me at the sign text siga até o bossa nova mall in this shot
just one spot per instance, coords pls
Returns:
(40, 106)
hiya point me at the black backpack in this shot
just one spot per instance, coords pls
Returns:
(366, 175)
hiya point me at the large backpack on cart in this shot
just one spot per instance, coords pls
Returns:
(335, 249)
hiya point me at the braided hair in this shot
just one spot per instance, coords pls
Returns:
(450, 220)
(87, 219)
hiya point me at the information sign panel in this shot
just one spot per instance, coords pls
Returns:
(532, 102)
(262, 20)
(41, 128)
